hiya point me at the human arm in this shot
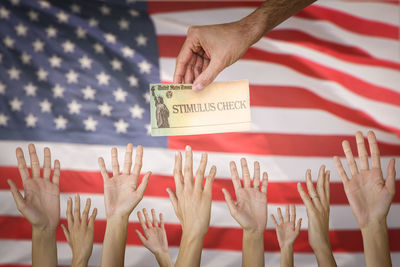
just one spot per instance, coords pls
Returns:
(79, 232)
(192, 206)
(209, 49)
(155, 237)
(250, 211)
(370, 197)
(40, 204)
(287, 232)
(317, 207)
(122, 193)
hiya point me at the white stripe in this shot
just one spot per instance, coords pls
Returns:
(276, 74)
(18, 252)
(365, 10)
(84, 157)
(341, 216)
(177, 23)
(379, 76)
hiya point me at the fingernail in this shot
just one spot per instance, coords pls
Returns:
(176, 153)
(188, 148)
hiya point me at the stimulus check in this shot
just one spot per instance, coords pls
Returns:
(220, 107)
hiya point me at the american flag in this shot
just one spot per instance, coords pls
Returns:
(74, 76)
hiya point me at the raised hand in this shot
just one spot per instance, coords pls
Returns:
(369, 195)
(250, 211)
(40, 204)
(317, 206)
(192, 205)
(122, 192)
(155, 237)
(79, 232)
(287, 232)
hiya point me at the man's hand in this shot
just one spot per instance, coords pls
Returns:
(287, 231)
(155, 237)
(79, 232)
(368, 193)
(121, 192)
(317, 206)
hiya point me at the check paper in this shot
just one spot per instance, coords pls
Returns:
(220, 107)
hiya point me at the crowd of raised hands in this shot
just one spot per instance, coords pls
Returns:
(368, 192)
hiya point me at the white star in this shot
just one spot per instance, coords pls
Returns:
(30, 89)
(33, 16)
(105, 10)
(80, 33)
(72, 76)
(15, 2)
(3, 119)
(38, 45)
(44, 4)
(16, 104)
(123, 24)
(134, 13)
(14, 73)
(120, 95)
(127, 51)
(148, 128)
(90, 124)
(61, 123)
(146, 97)
(75, 8)
(58, 91)
(99, 49)
(121, 126)
(110, 38)
(144, 67)
(25, 58)
(8, 42)
(62, 17)
(93, 22)
(105, 109)
(103, 78)
(133, 81)
(51, 31)
(2, 88)
(21, 29)
(45, 106)
(86, 63)
(68, 46)
(136, 111)
(42, 74)
(31, 120)
(88, 93)
(4, 13)
(116, 64)
(55, 61)
(141, 40)
(74, 107)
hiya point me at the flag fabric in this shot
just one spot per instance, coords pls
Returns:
(74, 76)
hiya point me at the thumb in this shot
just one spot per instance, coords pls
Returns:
(208, 75)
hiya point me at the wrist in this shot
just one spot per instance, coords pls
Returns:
(43, 232)
(192, 237)
(287, 247)
(253, 27)
(117, 219)
(79, 261)
(374, 225)
(254, 235)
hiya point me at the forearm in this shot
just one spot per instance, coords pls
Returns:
(44, 248)
(253, 249)
(113, 252)
(376, 245)
(324, 256)
(287, 256)
(79, 262)
(190, 250)
(164, 259)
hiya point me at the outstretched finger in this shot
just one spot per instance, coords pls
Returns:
(141, 237)
(340, 170)
(142, 221)
(245, 173)
(293, 213)
(22, 168)
(350, 158)
(321, 184)
(280, 216)
(298, 226)
(66, 233)
(128, 159)
(188, 171)
(103, 170)
(235, 177)
(373, 147)
(47, 164)
(56, 174)
(287, 213)
(229, 201)
(174, 200)
(306, 199)
(256, 179)
(19, 200)
(114, 161)
(315, 198)
(70, 217)
(210, 180)
(200, 172)
(77, 209)
(147, 217)
(85, 213)
(178, 177)
(35, 165)
(362, 151)
(274, 220)
(390, 182)
(264, 184)
(138, 163)
(92, 219)
(154, 216)
(143, 185)
(162, 220)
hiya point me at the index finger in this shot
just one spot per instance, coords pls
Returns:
(182, 60)
(235, 177)
(22, 168)
(35, 166)
(128, 159)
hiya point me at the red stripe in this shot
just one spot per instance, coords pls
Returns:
(350, 22)
(216, 238)
(91, 183)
